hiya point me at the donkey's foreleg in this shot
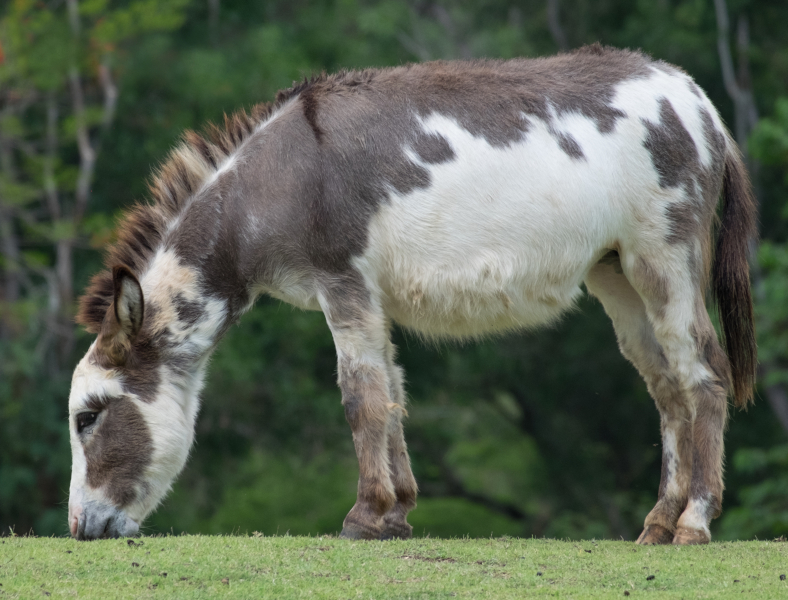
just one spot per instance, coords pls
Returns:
(402, 478)
(360, 336)
(367, 409)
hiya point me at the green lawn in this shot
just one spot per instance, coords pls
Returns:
(326, 567)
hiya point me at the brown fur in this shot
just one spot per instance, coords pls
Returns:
(298, 202)
(119, 450)
(652, 283)
(367, 409)
(405, 488)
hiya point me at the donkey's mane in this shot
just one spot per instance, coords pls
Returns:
(188, 167)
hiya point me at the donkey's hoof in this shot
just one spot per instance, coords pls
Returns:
(687, 537)
(356, 531)
(655, 535)
(397, 531)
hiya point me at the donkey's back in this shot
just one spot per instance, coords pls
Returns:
(474, 197)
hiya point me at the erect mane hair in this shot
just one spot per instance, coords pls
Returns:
(141, 228)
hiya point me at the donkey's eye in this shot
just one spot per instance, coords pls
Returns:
(85, 419)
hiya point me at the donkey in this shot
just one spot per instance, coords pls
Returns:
(456, 199)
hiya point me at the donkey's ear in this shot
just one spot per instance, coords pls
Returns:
(129, 301)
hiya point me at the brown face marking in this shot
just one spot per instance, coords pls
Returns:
(118, 450)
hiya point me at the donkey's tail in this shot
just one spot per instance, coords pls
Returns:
(731, 275)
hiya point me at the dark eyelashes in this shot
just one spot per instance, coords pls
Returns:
(85, 420)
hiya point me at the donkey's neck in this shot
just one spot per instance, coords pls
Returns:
(186, 320)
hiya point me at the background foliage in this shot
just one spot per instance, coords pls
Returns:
(547, 433)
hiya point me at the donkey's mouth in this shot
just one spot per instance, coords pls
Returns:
(99, 521)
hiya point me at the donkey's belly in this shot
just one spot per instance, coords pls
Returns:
(454, 283)
(472, 306)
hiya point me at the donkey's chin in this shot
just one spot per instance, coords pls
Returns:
(101, 521)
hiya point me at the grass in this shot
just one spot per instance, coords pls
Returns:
(326, 567)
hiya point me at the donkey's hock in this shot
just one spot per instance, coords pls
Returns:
(455, 199)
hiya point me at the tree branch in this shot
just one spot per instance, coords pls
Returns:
(554, 25)
(743, 100)
(87, 156)
(50, 184)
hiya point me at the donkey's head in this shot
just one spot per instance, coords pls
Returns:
(132, 409)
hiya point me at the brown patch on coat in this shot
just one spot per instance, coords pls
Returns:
(709, 349)
(652, 283)
(309, 101)
(433, 149)
(672, 148)
(569, 145)
(118, 450)
(369, 119)
(612, 258)
(676, 160)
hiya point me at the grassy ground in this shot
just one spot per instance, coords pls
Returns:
(326, 567)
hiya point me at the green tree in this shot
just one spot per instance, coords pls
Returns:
(58, 98)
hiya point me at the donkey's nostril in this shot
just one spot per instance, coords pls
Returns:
(74, 525)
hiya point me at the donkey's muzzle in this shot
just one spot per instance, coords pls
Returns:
(100, 521)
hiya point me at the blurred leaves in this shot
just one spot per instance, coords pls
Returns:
(763, 511)
(772, 311)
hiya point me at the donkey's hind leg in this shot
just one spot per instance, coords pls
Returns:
(360, 335)
(405, 488)
(673, 293)
(639, 345)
